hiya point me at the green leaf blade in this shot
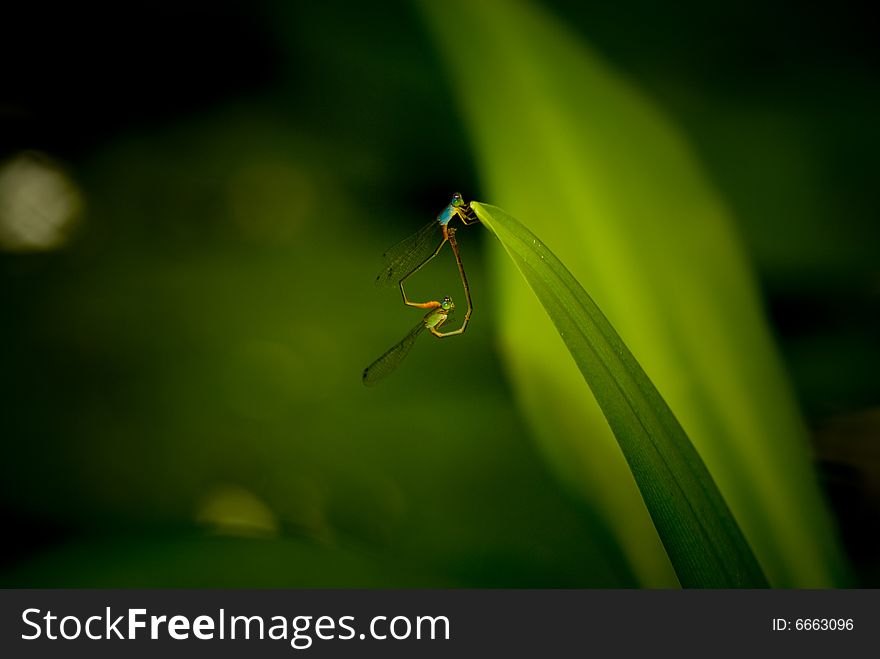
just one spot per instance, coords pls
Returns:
(604, 175)
(704, 542)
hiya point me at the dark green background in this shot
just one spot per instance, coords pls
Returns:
(192, 356)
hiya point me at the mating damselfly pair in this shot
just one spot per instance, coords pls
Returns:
(405, 259)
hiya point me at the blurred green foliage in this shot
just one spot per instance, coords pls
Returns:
(181, 395)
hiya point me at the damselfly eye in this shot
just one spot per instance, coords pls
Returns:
(456, 199)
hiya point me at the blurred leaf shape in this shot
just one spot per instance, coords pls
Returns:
(566, 141)
(704, 543)
(233, 510)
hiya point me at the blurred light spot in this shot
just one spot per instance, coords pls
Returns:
(38, 204)
(232, 510)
